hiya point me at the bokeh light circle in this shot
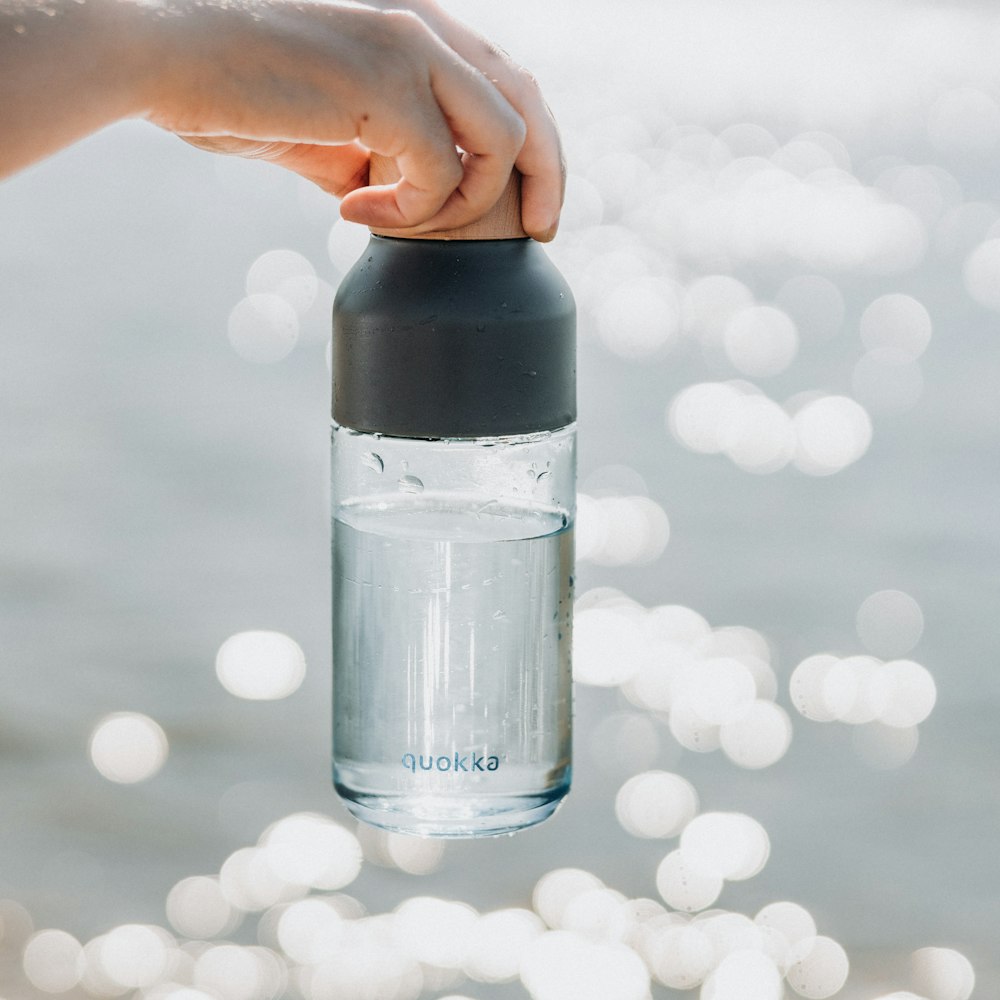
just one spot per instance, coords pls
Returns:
(890, 622)
(499, 942)
(135, 955)
(555, 890)
(728, 845)
(981, 274)
(897, 322)
(656, 804)
(435, 931)
(287, 274)
(793, 921)
(128, 747)
(758, 736)
(761, 340)
(907, 693)
(638, 318)
(685, 885)
(310, 849)
(263, 328)
(942, 974)
(833, 432)
(744, 975)
(560, 965)
(53, 961)
(817, 968)
(260, 665)
(196, 908)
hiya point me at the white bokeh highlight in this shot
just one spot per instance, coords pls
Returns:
(287, 274)
(729, 846)
(817, 967)
(761, 340)
(685, 885)
(196, 908)
(942, 974)
(821, 434)
(128, 747)
(53, 961)
(890, 623)
(260, 665)
(656, 804)
(981, 274)
(620, 530)
(263, 328)
(896, 322)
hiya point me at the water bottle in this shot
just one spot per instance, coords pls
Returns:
(453, 498)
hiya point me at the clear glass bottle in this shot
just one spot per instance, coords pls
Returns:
(453, 493)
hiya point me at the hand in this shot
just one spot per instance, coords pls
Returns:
(313, 86)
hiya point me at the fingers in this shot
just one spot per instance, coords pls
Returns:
(429, 166)
(336, 169)
(437, 189)
(490, 132)
(540, 159)
(543, 167)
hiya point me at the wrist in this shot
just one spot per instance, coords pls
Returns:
(131, 31)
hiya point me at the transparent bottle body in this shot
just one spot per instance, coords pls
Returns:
(452, 617)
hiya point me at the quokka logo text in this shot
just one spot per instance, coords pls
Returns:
(456, 762)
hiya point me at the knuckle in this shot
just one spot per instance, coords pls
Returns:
(528, 82)
(524, 90)
(452, 171)
(492, 51)
(517, 132)
(408, 26)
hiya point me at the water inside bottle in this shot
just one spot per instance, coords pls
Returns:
(451, 663)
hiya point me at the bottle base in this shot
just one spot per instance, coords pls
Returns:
(451, 817)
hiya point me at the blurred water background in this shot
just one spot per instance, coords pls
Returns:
(793, 207)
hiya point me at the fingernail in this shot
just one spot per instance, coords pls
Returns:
(549, 233)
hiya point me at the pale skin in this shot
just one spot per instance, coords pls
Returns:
(311, 85)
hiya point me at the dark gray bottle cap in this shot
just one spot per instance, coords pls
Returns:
(454, 338)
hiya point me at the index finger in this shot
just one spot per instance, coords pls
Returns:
(489, 131)
(540, 161)
(456, 106)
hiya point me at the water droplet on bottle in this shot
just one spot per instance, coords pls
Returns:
(499, 616)
(543, 475)
(372, 461)
(410, 484)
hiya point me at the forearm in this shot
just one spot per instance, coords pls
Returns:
(67, 68)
